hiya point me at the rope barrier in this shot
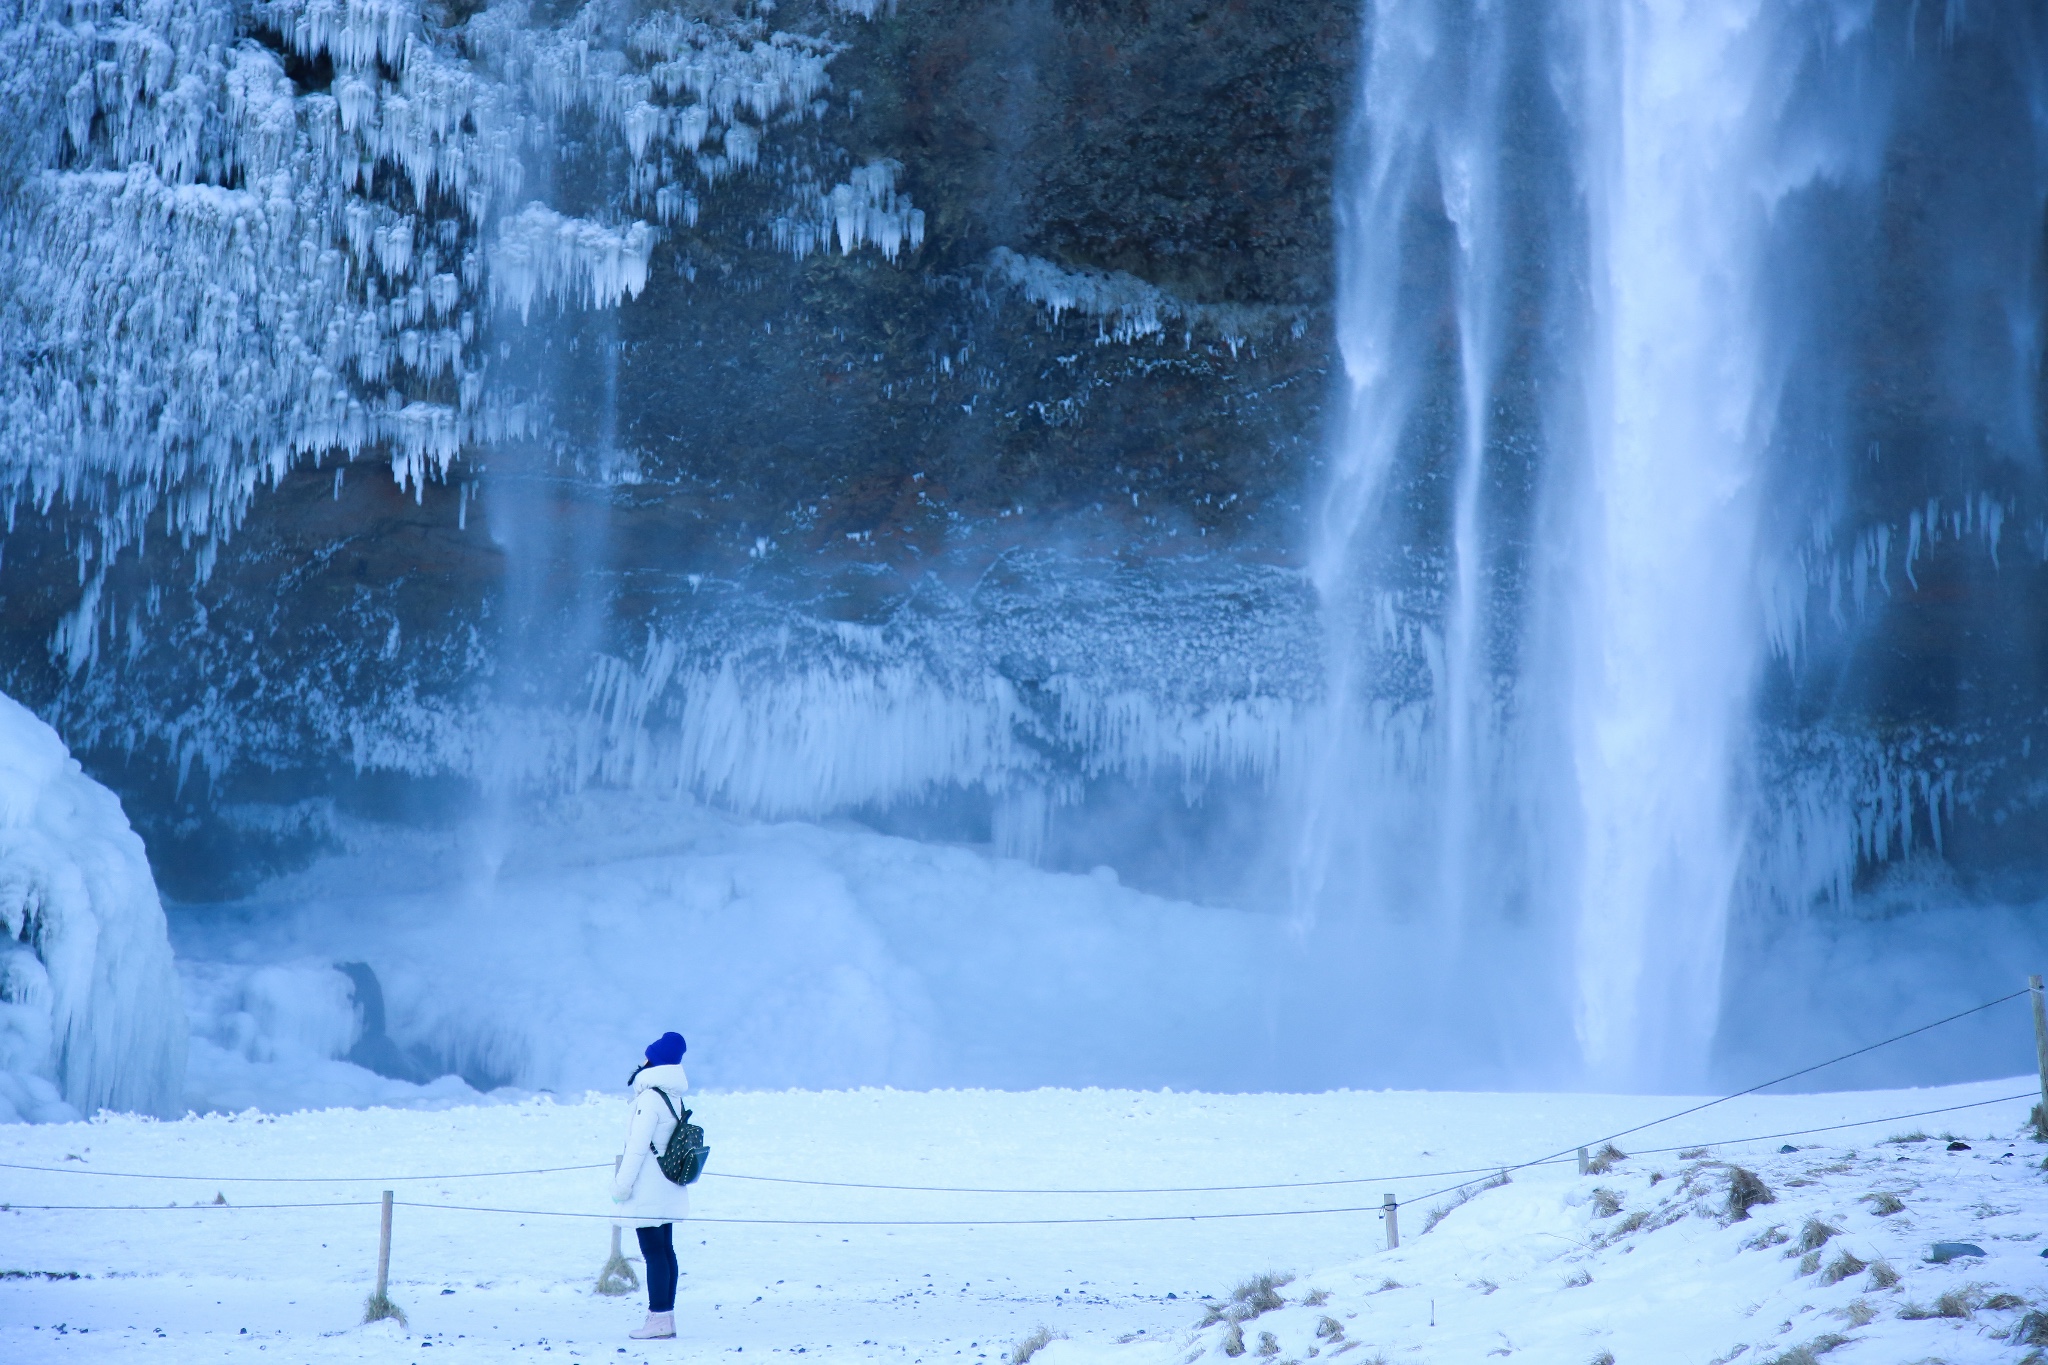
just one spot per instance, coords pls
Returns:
(299, 1179)
(1490, 1171)
(997, 1222)
(1762, 1085)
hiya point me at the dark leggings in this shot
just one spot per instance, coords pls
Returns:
(658, 1250)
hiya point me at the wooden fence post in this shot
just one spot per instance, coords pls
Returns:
(1392, 1211)
(2040, 1055)
(380, 1306)
(384, 1250)
(1585, 1162)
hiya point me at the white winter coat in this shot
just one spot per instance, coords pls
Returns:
(642, 1196)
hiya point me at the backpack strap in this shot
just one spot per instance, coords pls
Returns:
(671, 1113)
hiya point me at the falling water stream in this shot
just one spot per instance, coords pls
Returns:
(1577, 267)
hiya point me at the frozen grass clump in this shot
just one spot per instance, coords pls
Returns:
(1605, 1160)
(1884, 1203)
(1882, 1276)
(1461, 1197)
(379, 1307)
(1956, 1303)
(1329, 1329)
(1038, 1341)
(1606, 1202)
(617, 1277)
(1842, 1267)
(1259, 1294)
(1269, 1345)
(1746, 1190)
(1815, 1234)
(1810, 1352)
(1578, 1279)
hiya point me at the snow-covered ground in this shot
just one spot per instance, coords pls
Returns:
(1546, 1268)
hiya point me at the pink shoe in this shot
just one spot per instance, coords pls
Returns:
(659, 1326)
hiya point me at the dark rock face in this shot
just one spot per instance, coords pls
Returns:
(1187, 145)
(823, 430)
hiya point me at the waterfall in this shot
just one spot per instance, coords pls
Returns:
(1598, 262)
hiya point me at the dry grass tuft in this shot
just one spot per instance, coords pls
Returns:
(1858, 1313)
(1578, 1279)
(1906, 1139)
(1774, 1235)
(2032, 1330)
(1815, 1234)
(1459, 1198)
(1315, 1298)
(1884, 1203)
(2004, 1303)
(1269, 1345)
(1606, 1202)
(1605, 1160)
(1882, 1276)
(378, 1307)
(1329, 1329)
(1259, 1294)
(1038, 1341)
(1956, 1303)
(1233, 1340)
(1746, 1190)
(617, 1277)
(1811, 1352)
(1604, 1358)
(1842, 1267)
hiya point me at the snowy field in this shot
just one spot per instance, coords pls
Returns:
(1640, 1263)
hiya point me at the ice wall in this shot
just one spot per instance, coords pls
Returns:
(236, 236)
(90, 1010)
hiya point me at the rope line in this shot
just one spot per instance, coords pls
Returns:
(299, 1179)
(989, 1222)
(1761, 1085)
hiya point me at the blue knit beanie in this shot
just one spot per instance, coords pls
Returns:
(666, 1050)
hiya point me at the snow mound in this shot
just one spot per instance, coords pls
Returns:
(1657, 1260)
(89, 1006)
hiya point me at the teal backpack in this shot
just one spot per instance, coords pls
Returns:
(682, 1161)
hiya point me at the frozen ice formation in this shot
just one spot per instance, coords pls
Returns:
(238, 235)
(864, 210)
(1128, 309)
(90, 1010)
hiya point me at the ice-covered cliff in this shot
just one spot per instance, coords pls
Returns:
(90, 1014)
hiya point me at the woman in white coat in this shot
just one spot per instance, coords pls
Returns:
(646, 1200)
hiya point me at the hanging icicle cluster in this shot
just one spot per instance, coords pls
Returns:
(238, 235)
